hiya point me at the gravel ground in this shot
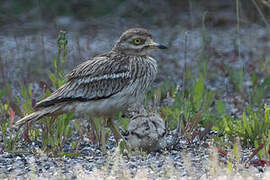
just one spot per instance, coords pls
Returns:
(193, 161)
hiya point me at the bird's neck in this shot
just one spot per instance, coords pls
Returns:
(130, 52)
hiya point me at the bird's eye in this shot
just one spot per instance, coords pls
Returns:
(138, 41)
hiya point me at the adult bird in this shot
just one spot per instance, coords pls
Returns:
(106, 84)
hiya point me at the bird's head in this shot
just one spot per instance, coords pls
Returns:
(136, 41)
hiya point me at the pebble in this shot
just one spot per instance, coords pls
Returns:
(91, 158)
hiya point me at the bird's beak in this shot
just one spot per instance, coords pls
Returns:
(155, 45)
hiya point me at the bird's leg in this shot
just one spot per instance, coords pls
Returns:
(102, 135)
(52, 121)
(115, 131)
(94, 130)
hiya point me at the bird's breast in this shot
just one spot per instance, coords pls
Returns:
(143, 73)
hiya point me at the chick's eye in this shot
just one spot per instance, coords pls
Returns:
(137, 41)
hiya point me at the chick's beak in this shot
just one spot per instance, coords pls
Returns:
(155, 45)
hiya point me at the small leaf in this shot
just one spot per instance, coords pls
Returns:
(208, 100)
(267, 115)
(124, 123)
(198, 94)
(220, 107)
(6, 107)
(30, 89)
(235, 151)
(3, 92)
(55, 63)
(53, 79)
(122, 145)
(24, 92)
(266, 83)
(254, 80)
(230, 166)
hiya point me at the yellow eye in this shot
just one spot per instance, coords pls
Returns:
(137, 41)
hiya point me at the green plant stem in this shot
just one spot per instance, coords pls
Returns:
(115, 131)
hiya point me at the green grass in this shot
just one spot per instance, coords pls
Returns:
(198, 105)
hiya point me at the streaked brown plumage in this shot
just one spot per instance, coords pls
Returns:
(108, 83)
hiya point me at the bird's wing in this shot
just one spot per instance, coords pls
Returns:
(94, 79)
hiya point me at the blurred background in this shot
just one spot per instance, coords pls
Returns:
(29, 29)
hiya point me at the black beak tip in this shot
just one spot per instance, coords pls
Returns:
(162, 47)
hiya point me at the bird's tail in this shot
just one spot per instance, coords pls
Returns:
(51, 110)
